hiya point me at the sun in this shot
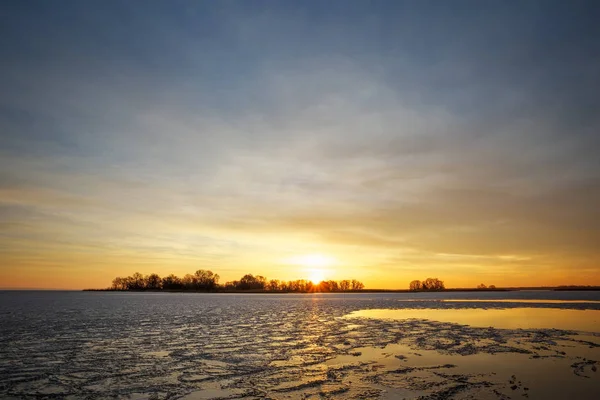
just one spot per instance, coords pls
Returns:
(316, 275)
(316, 265)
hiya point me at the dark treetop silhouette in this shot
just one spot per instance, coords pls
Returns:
(427, 284)
(204, 280)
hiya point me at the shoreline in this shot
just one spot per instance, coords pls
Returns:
(453, 290)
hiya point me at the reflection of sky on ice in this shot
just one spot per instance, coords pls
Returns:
(522, 301)
(508, 318)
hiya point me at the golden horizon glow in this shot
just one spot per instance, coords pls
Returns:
(312, 260)
(316, 276)
(376, 267)
(317, 265)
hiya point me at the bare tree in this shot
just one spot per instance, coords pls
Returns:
(345, 285)
(172, 282)
(251, 282)
(206, 280)
(273, 285)
(137, 282)
(433, 284)
(232, 285)
(119, 283)
(323, 286)
(189, 282)
(356, 285)
(153, 282)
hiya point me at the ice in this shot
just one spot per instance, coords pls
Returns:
(198, 346)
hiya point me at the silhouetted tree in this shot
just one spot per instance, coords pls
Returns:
(205, 280)
(481, 286)
(189, 282)
(172, 282)
(433, 284)
(119, 283)
(232, 285)
(302, 285)
(273, 285)
(309, 287)
(427, 284)
(153, 282)
(251, 282)
(136, 282)
(356, 285)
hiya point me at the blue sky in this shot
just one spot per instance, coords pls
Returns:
(452, 139)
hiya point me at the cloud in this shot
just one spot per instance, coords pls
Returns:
(279, 132)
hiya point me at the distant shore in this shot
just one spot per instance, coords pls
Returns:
(260, 291)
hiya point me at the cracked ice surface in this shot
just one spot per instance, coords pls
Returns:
(211, 346)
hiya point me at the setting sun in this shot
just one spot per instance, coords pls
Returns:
(316, 265)
(316, 275)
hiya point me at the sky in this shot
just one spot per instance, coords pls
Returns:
(384, 141)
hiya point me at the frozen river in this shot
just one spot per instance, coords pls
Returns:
(490, 345)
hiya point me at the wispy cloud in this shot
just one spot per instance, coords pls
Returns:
(232, 137)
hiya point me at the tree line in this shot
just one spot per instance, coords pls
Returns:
(484, 286)
(436, 284)
(204, 280)
(427, 284)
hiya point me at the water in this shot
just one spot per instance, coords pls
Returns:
(206, 346)
(510, 318)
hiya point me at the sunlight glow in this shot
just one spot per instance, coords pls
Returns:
(316, 265)
(312, 260)
(316, 275)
